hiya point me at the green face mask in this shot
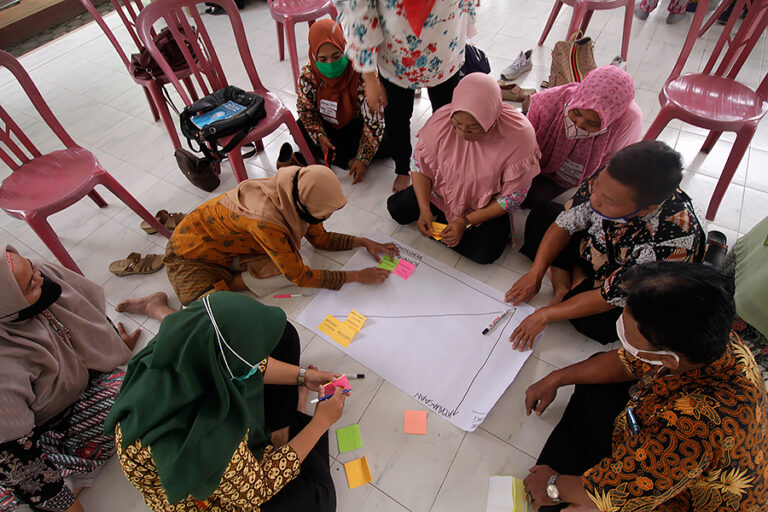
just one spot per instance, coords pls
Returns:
(333, 69)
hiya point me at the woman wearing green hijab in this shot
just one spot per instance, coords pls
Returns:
(197, 406)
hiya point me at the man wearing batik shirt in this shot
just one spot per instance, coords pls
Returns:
(691, 435)
(629, 213)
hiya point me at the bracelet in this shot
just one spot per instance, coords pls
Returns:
(301, 377)
(466, 222)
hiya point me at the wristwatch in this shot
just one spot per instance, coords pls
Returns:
(552, 491)
(301, 376)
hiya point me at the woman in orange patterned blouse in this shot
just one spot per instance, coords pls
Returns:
(250, 236)
(693, 436)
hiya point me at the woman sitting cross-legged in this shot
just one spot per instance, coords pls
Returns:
(333, 114)
(473, 164)
(59, 355)
(250, 237)
(210, 416)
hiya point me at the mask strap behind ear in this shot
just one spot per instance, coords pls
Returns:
(220, 339)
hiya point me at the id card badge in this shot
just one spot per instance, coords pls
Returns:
(570, 172)
(328, 110)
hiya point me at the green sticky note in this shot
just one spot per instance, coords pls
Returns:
(349, 438)
(388, 262)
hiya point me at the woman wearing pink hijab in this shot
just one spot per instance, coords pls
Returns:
(579, 127)
(473, 164)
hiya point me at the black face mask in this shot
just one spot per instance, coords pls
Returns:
(50, 291)
(300, 208)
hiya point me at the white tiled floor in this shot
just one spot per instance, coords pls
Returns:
(96, 101)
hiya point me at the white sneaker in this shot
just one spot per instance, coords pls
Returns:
(523, 63)
(619, 62)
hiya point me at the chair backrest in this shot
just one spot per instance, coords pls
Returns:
(13, 141)
(183, 16)
(128, 10)
(739, 45)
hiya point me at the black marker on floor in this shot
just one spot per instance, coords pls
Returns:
(355, 375)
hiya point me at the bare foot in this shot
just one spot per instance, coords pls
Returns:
(558, 296)
(280, 437)
(561, 284)
(402, 182)
(154, 306)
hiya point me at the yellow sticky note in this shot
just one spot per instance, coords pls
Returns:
(438, 227)
(329, 325)
(355, 320)
(358, 472)
(343, 335)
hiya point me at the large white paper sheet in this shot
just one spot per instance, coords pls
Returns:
(424, 334)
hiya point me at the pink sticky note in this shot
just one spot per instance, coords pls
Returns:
(415, 422)
(341, 382)
(404, 269)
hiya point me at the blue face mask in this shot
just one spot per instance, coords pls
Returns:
(619, 220)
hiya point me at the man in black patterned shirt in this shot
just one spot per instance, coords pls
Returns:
(629, 213)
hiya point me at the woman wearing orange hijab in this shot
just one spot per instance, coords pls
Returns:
(333, 115)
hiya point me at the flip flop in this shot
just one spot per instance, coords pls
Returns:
(513, 92)
(136, 264)
(169, 220)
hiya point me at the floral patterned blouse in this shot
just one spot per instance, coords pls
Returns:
(309, 114)
(672, 232)
(379, 36)
(702, 445)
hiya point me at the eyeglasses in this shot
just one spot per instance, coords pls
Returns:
(640, 389)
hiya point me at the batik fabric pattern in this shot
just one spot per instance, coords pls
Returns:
(247, 482)
(702, 445)
(379, 36)
(309, 114)
(72, 445)
(672, 232)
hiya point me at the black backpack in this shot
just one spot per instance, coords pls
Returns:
(238, 125)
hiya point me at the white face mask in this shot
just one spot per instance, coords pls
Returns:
(574, 132)
(634, 351)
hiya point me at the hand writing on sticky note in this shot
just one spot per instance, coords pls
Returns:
(340, 382)
(388, 262)
(404, 269)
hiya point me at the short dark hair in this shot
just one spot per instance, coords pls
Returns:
(651, 168)
(687, 308)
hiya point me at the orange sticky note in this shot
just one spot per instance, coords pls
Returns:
(339, 332)
(415, 422)
(329, 325)
(355, 320)
(438, 227)
(358, 472)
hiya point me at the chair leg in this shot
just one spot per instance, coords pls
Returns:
(100, 202)
(628, 16)
(280, 40)
(290, 33)
(116, 188)
(259, 145)
(293, 127)
(579, 13)
(333, 13)
(190, 88)
(238, 166)
(165, 114)
(710, 142)
(662, 119)
(550, 21)
(51, 240)
(586, 20)
(740, 147)
(152, 107)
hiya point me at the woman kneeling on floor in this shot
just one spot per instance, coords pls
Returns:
(333, 114)
(58, 354)
(250, 237)
(207, 416)
(473, 164)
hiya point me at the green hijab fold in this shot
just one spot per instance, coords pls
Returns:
(179, 398)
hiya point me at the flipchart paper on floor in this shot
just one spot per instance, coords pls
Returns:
(424, 334)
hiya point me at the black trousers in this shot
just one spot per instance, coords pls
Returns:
(481, 244)
(542, 191)
(313, 489)
(397, 117)
(583, 436)
(345, 139)
(600, 327)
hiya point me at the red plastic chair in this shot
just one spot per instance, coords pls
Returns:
(721, 9)
(286, 14)
(582, 13)
(714, 99)
(128, 10)
(207, 73)
(41, 185)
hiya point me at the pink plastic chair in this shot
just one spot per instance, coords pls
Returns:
(41, 185)
(582, 13)
(286, 14)
(714, 99)
(128, 10)
(207, 73)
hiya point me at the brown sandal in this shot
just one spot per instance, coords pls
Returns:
(136, 264)
(169, 220)
(513, 92)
